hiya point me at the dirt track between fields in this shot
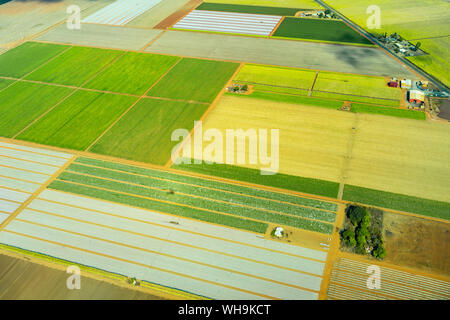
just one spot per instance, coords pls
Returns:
(177, 15)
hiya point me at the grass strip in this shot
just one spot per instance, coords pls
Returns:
(206, 193)
(197, 214)
(432, 208)
(211, 183)
(386, 111)
(188, 202)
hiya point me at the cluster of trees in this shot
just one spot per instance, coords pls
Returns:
(238, 88)
(360, 236)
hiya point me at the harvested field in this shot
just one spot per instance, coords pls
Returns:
(144, 133)
(75, 66)
(104, 36)
(319, 29)
(146, 189)
(27, 57)
(201, 258)
(121, 12)
(229, 22)
(23, 102)
(185, 79)
(25, 280)
(139, 70)
(349, 281)
(79, 120)
(417, 243)
(331, 57)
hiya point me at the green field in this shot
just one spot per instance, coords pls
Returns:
(319, 29)
(277, 11)
(133, 73)
(4, 83)
(79, 120)
(396, 201)
(194, 80)
(23, 59)
(310, 4)
(22, 102)
(283, 181)
(198, 198)
(386, 111)
(144, 133)
(75, 66)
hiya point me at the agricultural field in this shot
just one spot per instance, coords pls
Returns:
(430, 27)
(349, 281)
(238, 8)
(194, 80)
(320, 30)
(78, 121)
(208, 200)
(144, 133)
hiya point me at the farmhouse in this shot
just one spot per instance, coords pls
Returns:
(416, 96)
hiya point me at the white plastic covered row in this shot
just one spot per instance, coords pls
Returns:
(121, 12)
(253, 24)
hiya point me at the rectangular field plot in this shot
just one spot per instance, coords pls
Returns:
(228, 22)
(22, 173)
(79, 120)
(310, 4)
(121, 12)
(23, 102)
(197, 198)
(133, 73)
(144, 133)
(252, 9)
(23, 59)
(349, 281)
(194, 80)
(4, 83)
(212, 261)
(75, 66)
(318, 29)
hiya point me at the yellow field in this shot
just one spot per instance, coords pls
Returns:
(301, 4)
(390, 154)
(426, 21)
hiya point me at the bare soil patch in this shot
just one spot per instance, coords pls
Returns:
(417, 243)
(177, 15)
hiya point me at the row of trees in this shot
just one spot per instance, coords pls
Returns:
(360, 236)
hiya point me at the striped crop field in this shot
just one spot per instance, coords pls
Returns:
(229, 22)
(349, 281)
(193, 197)
(121, 12)
(22, 172)
(239, 8)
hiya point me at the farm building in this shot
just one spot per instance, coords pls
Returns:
(393, 84)
(406, 84)
(416, 96)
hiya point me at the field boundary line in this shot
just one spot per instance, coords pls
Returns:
(26, 170)
(172, 227)
(181, 205)
(311, 88)
(159, 253)
(23, 180)
(332, 253)
(276, 27)
(179, 243)
(91, 272)
(29, 151)
(153, 40)
(13, 189)
(9, 200)
(200, 186)
(4, 212)
(137, 263)
(393, 282)
(104, 68)
(36, 193)
(131, 107)
(26, 160)
(195, 196)
(187, 139)
(176, 100)
(348, 156)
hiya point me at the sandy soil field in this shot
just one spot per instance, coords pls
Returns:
(340, 58)
(22, 279)
(19, 20)
(102, 36)
(417, 243)
(386, 153)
